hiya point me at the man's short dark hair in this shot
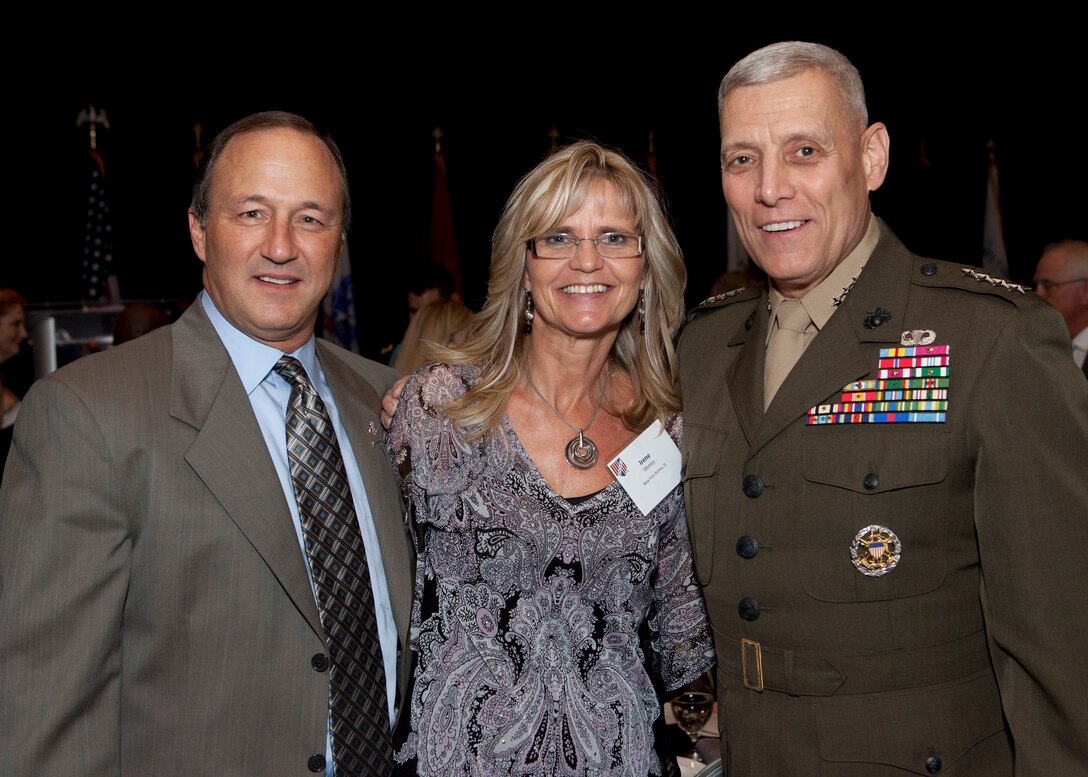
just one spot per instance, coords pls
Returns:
(263, 121)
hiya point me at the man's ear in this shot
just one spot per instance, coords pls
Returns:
(196, 234)
(875, 149)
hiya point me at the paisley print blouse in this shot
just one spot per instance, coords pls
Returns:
(537, 622)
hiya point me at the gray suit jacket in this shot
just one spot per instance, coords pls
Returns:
(155, 613)
(966, 658)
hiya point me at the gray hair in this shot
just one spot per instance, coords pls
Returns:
(1071, 246)
(787, 59)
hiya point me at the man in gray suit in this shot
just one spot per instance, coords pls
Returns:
(156, 611)
(884, 470)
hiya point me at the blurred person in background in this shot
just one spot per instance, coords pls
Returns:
(429, 282)
(442, 322)
(137, 318)
(1061, 278)
(12, 336)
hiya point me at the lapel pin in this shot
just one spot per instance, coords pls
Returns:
(877, 317)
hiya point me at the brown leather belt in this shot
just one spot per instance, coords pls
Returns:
(800, 673)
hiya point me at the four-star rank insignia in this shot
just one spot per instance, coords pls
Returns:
(875, 550)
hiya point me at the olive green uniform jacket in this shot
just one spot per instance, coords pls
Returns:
(967, 657)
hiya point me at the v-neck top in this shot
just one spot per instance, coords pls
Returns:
(537, 620)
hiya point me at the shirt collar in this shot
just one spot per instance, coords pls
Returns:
(820, 301)
(254, 360)
(1080, 342)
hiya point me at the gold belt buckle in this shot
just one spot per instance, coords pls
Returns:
(745, 646)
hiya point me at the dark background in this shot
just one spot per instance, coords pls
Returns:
(496, 100)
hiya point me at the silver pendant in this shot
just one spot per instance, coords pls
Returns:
(581, 452)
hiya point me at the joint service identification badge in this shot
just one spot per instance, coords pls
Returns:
(875, 550)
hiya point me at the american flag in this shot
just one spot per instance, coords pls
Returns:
(97, 236)
(338, 307)
(99, 282)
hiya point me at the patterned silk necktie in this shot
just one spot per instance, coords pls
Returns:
(358, 712)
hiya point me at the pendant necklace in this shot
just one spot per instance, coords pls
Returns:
(581, 452)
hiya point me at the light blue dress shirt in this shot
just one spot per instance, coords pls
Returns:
(269, 393)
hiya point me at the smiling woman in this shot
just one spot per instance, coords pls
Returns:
(551, 609)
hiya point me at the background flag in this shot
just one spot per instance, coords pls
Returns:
(338, 307)
(994, 259)
(443, 241)
(99, 281)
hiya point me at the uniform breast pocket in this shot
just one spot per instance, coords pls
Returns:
(884, 476)
(702, 451)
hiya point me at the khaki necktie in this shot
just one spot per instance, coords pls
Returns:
(785, 346)
(358, 715)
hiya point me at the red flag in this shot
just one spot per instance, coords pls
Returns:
(443, 241)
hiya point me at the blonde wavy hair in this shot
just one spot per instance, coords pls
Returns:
(495, 343)
(438, 323)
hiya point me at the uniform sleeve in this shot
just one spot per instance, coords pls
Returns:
(1030, 422)
(682, 643)
(64, 570)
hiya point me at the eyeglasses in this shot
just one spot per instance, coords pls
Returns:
(1045, 284)
(610, 245)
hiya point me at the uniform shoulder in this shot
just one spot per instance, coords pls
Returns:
(936, 273)
(725, 299)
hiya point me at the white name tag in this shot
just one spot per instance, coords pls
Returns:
(648, 468)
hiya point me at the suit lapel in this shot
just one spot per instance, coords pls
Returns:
(230, 454)
(745, 376)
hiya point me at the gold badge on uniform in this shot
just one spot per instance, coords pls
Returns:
(875, 550)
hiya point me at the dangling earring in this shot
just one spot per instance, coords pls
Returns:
(641, 312)
(528, 313)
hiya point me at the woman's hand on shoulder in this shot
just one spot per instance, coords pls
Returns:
(390, 400)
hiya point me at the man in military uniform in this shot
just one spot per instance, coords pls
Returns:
(888, 500)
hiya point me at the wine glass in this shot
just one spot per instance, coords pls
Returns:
(692, 709)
